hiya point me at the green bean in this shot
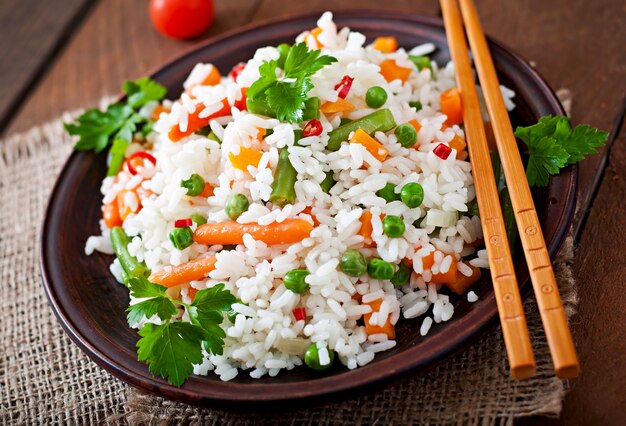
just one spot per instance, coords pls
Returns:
(130, 265)
(236, 204)
(311, 109)
(345, 120)
(283, 187)
(381, 120)
(328, 182)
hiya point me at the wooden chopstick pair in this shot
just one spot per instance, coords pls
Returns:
(515, 331)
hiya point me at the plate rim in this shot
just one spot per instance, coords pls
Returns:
(334, 384)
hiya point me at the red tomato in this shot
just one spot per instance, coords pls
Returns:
(182, 18)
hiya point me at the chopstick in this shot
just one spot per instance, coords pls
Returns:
(508, 299)
(541, 274)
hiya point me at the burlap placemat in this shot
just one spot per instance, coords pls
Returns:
(45, 378)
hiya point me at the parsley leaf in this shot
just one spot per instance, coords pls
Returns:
(552, 145)
(143, 91)
(171, 349)
(286, 98)
(95, 127)
(206, 311)
(158, 303)
(216, 298)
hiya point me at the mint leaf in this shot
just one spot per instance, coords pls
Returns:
(171, 349)
(142, 91)
(546, 157)
(584, 140)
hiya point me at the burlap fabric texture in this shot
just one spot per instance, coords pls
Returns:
(45, 378)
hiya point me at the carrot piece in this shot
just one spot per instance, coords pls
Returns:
(462, 283)
(366, 227)
(315, 32)
(458, 144)
(340, 105)
(260, 133)
(111, 214)
(207, 191)
(231, 232)
(191, 292)
(429, 260)
(156, 112)
(372, 145)
(213, 78)
(185, 272)
(447, 277)
(122, 207)
(451, 106)
(308, 210)
(194, 122)
(386, 328)
(385, 44)
(392, 71)
(246, 157)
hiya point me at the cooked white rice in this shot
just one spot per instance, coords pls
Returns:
(264, 326)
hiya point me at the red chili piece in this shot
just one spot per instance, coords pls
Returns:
(139, 154)
(312, 128)
(442, 151)
(183, 223)
(234, 73)
(344, 86)
(299, 313)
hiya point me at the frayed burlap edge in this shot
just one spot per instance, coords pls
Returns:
(45, 378)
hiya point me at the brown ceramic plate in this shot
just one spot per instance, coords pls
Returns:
(90, 304)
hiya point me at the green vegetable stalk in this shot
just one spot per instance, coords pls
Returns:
(283, 187)
(131, 267)
(381, 120)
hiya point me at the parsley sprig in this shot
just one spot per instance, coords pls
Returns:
(553, 144)
(286, 96)
(173, 347)
(98, 129)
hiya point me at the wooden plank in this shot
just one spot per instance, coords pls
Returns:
(101, 56)
(30, 31)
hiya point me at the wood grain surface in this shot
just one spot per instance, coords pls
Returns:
(575, 44)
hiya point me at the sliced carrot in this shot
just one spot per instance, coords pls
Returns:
(246, 157)
(191, 292)
(231, 232)
(386, 328)
(392, 71)
(122, 207)
(340, 105)
(260, 133)
(207, 191)
(416, 125)
(156, 112)
(451, 106)
(429, 260)
(111, 214)
(372, 145)
(184, 273)
(195, 123)
(315, 32)
(447, 277)
(458, 144)
(385, 44)
(366, 227)
(142, 192)
(213, 78)
(462, 283)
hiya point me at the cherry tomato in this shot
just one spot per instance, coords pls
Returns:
(182, 19)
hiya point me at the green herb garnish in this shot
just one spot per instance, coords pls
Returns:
(173, 347)
(553, 144)
(286, 96)
(97, 129)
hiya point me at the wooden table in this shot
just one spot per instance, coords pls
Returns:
(67, 54)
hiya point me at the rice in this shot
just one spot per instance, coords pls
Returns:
(336, 304)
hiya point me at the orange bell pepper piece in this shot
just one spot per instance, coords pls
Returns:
(392, 71)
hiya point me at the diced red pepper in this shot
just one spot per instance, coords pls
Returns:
(143, 155)
(237, 69)
(344, 86)
(183, 223)
(312, 128)
(442, 151)
(299, 313)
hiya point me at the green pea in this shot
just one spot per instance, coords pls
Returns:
(393, 226)
(283, 50)
(412, 194)
(181, 238)
(406, 134)
(375, 97)
(328, 182)
(295, 280)
(198, 219)
(194, 185)
(416, 105)
(401, 276)
(353, 263)
(236, 204)
(389, 193)
(379, 269)
(312, 358)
